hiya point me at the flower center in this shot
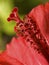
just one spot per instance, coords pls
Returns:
(29, 29)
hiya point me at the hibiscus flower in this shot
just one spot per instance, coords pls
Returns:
(31, 46)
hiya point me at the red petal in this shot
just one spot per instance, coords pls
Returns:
(22, 51)
(7, 60)
(39, 14)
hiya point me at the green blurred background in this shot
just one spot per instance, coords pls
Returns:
(6, 6)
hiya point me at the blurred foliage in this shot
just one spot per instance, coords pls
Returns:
(6, 28)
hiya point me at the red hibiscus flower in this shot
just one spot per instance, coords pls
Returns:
(31, 47)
